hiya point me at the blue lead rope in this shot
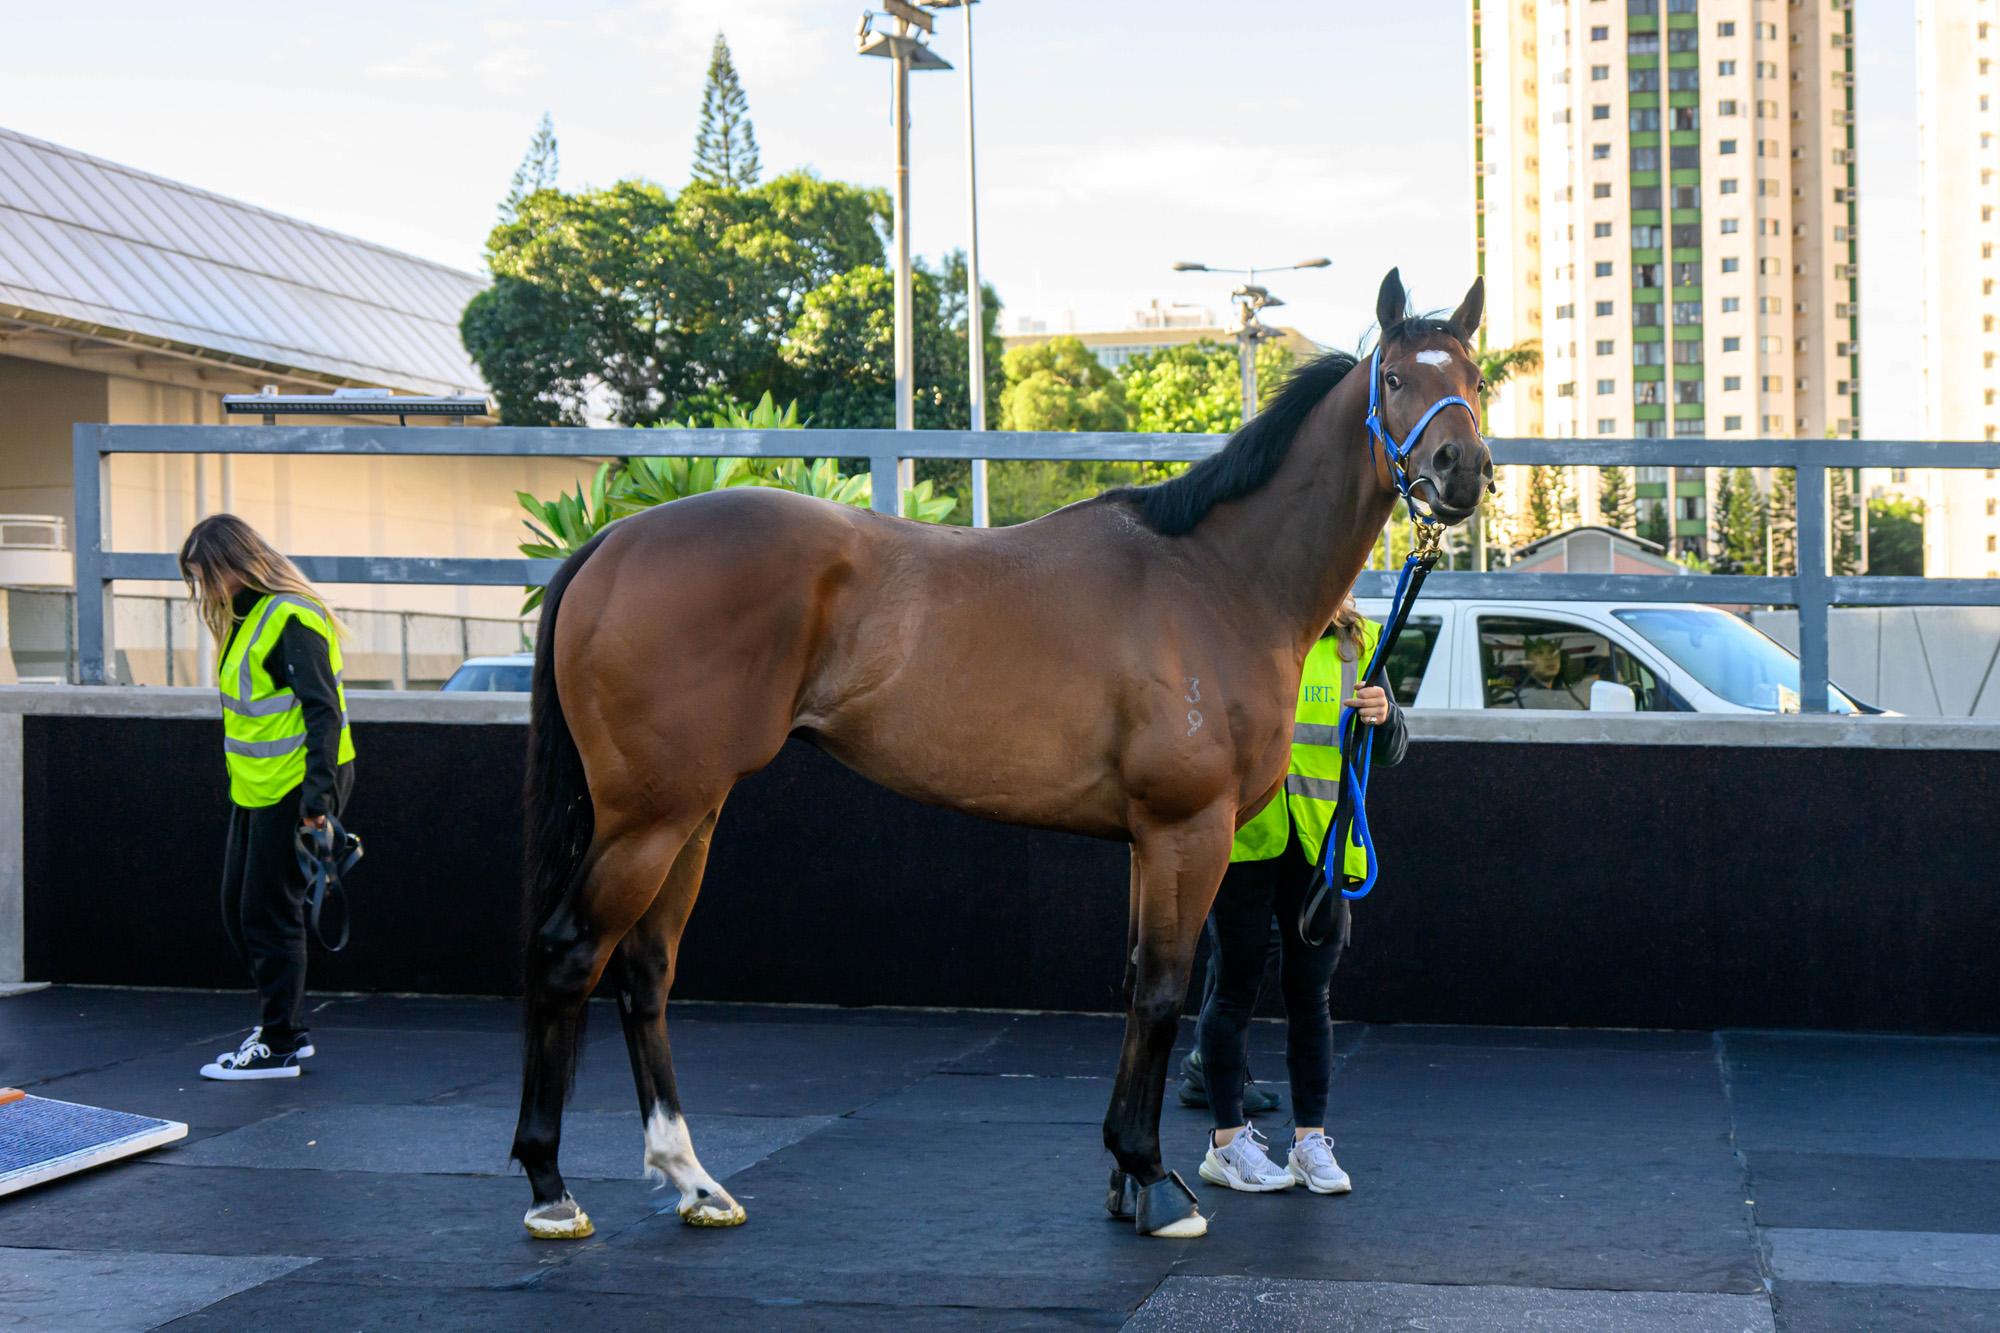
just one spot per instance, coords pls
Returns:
(1350, 811)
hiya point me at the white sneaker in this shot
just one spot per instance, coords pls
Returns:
(1311, 1164)
(256, 1038)
(253, 1061)
(1243, 1165)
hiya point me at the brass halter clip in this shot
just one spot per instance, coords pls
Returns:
(1430, 539)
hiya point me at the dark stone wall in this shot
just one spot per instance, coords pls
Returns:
(1598, 885)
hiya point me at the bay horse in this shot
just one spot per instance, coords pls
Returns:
(1126, 668)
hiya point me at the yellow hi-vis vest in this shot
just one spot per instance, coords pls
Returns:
(263, 726)
(1312, 780)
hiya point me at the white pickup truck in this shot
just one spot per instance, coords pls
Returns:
(1607, 656)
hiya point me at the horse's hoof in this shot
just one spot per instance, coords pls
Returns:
(1121, 1197)
(710, 1208)
(562, 1220)
(1168, 1208)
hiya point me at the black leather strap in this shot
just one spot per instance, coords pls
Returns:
(325, 856)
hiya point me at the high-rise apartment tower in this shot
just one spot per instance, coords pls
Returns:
(1958, 119)
(1666, 201)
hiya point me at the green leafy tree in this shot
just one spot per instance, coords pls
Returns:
(839, 355)
(1060, 385)
(1197, 387)
(1615, 498)
(1739, 524)
(659, 300)
(725, 147)
(537, 172)
(1896, 536)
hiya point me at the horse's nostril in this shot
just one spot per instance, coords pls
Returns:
(1448, 455)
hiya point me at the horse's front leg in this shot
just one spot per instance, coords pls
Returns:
(1178, 868)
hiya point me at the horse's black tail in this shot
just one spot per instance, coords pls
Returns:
(560, 822)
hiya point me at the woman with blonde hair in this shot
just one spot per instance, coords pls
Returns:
(1273, 868)
(290, 760)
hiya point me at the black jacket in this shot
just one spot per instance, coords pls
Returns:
(1392, 738)
(300, 658)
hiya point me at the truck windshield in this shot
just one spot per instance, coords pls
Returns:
(1733, 660)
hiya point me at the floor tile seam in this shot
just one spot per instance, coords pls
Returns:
(1869, 1156)
(1759, 1245)
(1976, 1039)
(1691, 1061)
(1450, 1282)
(111, 1065)
(1993, 1235)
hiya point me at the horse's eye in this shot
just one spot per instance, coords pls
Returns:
(1392, 381)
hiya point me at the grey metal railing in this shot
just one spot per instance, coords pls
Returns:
(1812, 590)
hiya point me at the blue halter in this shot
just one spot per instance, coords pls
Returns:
(1356, 751)
(1399, 454)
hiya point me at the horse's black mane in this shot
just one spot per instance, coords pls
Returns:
(1254, 452)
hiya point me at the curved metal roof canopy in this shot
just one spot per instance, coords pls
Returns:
(103, 251)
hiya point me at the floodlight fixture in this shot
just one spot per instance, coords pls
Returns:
(1251, 298)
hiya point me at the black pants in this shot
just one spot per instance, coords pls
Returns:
(263, 911)
(1239, 937)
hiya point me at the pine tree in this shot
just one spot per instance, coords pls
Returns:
(1739, 524)
(538, 170)
(1545, 503)
(1614, 498)
(725, 147)
(1844, 527)
(1784, 509)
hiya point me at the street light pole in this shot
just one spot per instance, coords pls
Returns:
(905, 51)
(975, 322)
(1250, 299)
(899, 114)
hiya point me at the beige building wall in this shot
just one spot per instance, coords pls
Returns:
(1745, 253)
(305, 505)
(1507, 208)
(1957, 125)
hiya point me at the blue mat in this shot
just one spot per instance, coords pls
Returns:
(41, 1139)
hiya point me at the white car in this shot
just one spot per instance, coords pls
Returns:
(1607, 656)
(505, 675)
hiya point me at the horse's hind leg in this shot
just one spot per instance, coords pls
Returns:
(1178, 869)
(622, 875)
(645, 964)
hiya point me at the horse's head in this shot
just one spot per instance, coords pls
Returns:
(1418, 364)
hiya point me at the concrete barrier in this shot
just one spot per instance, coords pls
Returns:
(1543, 868)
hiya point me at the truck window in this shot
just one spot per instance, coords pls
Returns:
(1405, 667)
(1551, 664)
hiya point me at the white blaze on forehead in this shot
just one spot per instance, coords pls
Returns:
(1434, 358)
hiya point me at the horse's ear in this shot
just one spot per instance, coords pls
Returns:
(1470, 311)
(1390, 301)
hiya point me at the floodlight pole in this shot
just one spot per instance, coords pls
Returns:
(899, 112)
(906, 51)
(975, 320)
(1246, 349)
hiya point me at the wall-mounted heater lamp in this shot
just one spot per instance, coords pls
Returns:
(352, 403)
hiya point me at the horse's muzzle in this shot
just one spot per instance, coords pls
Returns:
(1454, 479)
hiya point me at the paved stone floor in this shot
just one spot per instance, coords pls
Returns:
(942, 1171)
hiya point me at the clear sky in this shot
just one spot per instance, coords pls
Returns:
(1116, 136)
